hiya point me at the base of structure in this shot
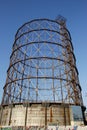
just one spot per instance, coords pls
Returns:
(40, 114)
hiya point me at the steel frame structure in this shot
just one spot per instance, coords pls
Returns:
(42, 65)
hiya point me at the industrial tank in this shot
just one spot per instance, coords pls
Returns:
(42, 86)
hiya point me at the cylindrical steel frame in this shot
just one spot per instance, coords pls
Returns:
(42, 65)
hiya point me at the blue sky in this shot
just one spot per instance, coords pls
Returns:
(14, 13)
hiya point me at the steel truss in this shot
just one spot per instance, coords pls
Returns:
(42, 65)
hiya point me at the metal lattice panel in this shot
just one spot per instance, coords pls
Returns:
(42, 65)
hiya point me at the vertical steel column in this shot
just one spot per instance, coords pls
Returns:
(23, 69)
(1, 107)
(45, 116)
(26, 114)
(61, 87)
(69, 114)
(64, 115)
(11, 106)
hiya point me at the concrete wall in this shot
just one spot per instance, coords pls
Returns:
(18, 115)
(37, 115)
(5, 115)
